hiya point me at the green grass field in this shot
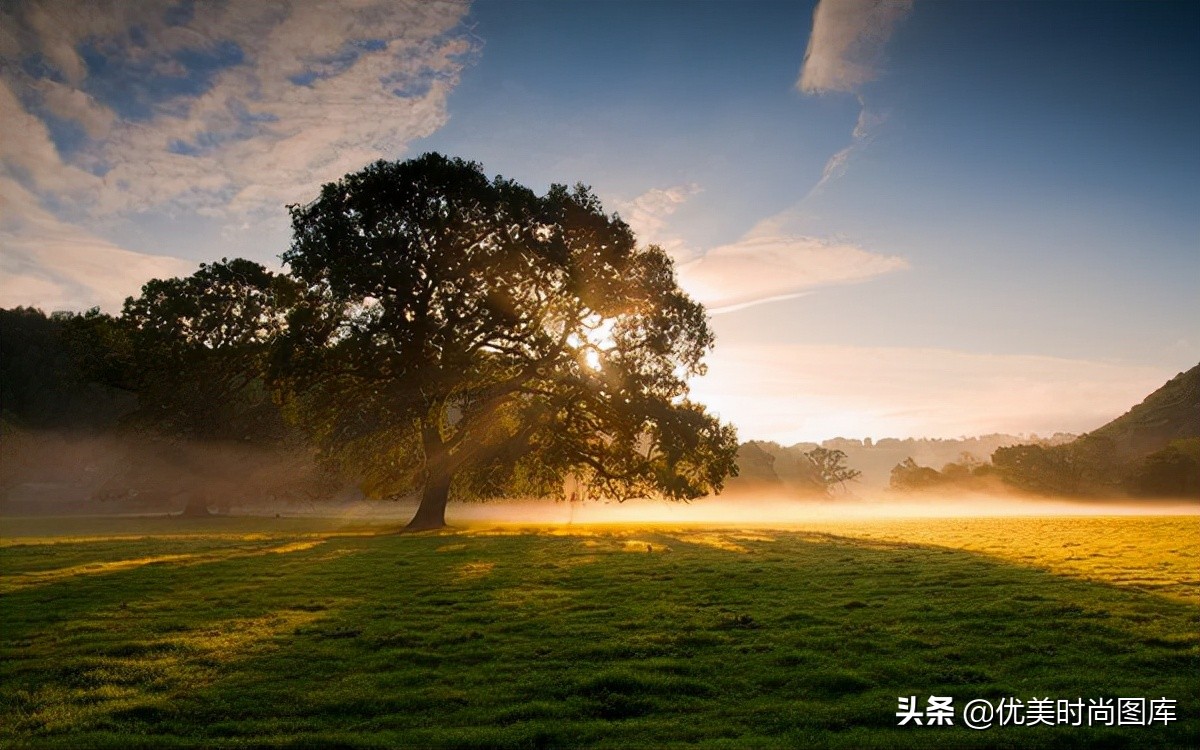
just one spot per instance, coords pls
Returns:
(305, 633)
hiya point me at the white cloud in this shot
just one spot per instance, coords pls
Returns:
(769, 264)
(70, 103)
(844, 52)
(27, 149)
(307, 94)
(271, 100)
(47, 263)
(649, 214)
(847, 42)
(802, 392)
(762, 269)
(864, 132)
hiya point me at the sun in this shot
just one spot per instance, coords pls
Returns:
(594, 340)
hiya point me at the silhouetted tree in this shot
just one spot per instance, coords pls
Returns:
(830, 466)
(966, 473)
(1173, 471)
(1033, 468)
(62, 371)
(908, 475)
(473, 336)
(200, 345)
(1086, 466)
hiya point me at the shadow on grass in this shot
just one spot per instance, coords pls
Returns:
(561, 641)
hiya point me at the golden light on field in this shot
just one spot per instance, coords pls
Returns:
(1152, 548)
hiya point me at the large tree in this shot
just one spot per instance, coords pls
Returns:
(467, 336)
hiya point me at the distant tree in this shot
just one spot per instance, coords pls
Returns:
(1173, 471)
(966, 473)
(62, 371)
(1085, 466)
(1033, 468)
(963, 469)
(908, 476)
(474, 338)
(1093, 463)
(955, 473)
(830, 466)
(797, 471)
(756, 466)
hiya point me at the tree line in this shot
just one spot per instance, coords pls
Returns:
(1091, 466)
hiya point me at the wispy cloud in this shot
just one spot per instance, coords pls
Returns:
(53, 265)
(844, 53)
(864, 132)
(807, 392)
(649, 216)
(767, 269)
(847, 42)
(768, 264)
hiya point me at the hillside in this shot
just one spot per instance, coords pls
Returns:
(1170, 413)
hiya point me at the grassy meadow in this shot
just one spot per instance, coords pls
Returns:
(232, 633)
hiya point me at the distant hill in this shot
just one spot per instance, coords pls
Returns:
(1170, 413)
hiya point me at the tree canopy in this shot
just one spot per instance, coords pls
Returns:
(468, 336)
(201, 345)
(1086, 466)
(64, 371)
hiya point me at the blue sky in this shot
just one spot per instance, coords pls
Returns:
(908, 218)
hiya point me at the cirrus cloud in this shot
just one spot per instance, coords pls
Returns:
(844, 51)
(649, 214)
(847, 43)
(768, 264)
(769, 269)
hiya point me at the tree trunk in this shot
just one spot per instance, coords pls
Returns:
(431, 513)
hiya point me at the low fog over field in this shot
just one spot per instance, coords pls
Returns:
(50, 473)
(766, 511)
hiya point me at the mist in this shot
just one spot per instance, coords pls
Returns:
(764, 510)
(47, 472)
(56, 473)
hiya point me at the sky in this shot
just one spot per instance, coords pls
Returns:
(906, 217)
